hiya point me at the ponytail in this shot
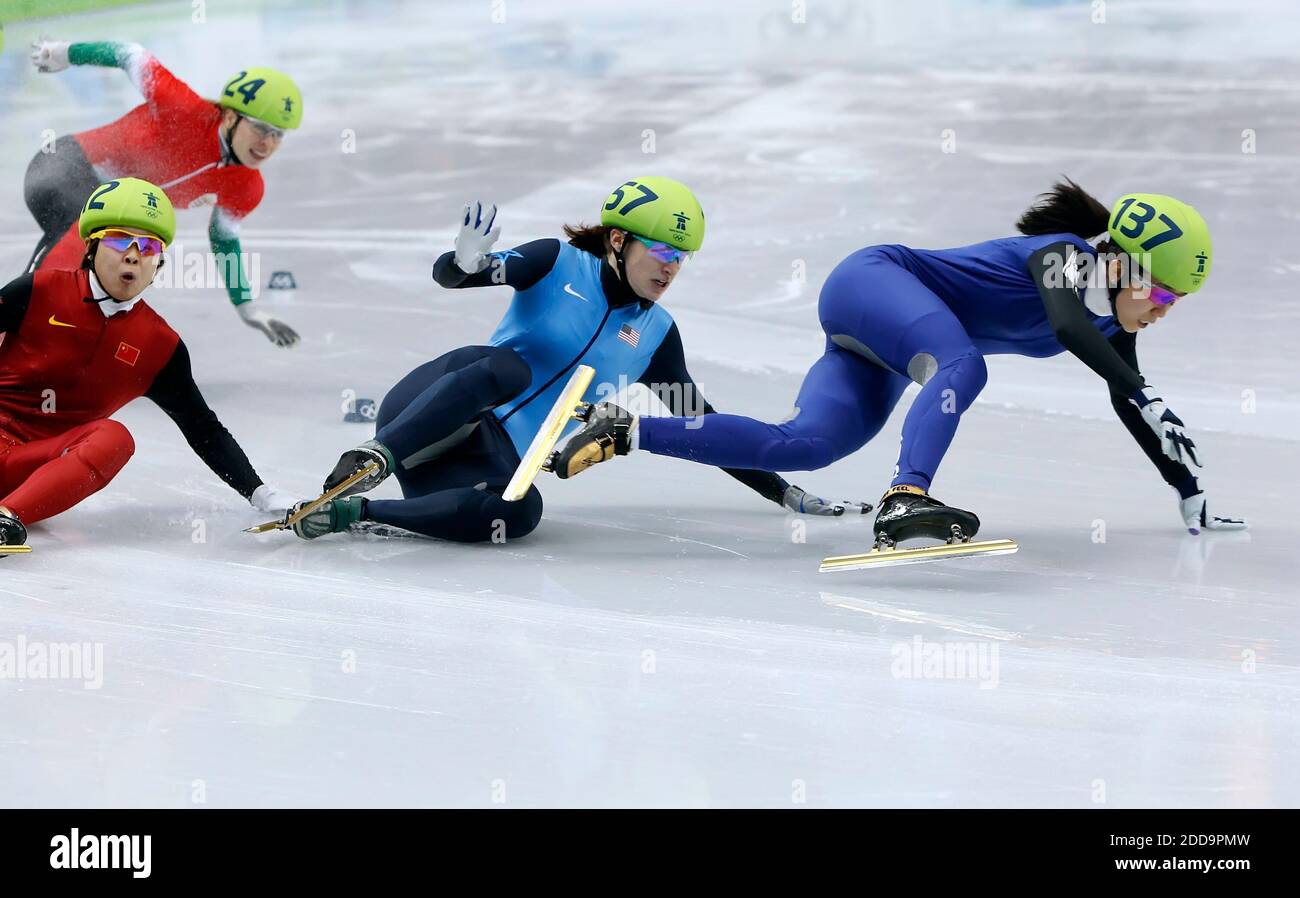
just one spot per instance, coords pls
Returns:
(590, 238)
(1066, 209)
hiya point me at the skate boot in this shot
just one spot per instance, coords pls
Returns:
(335, 516)
(12, 531)
(908, 512)
(354, 460)
(607, 432)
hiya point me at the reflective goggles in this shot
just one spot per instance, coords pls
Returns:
(120, 241)
(1157, 293)
(264, 130)
(664, 252)
(1163, 296)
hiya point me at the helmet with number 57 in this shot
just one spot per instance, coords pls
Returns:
(657, 209)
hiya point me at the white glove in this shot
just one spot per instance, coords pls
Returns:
(1174, 441)
(475, 238)
(50, 56)
(800, 502)
(271, 499)
(276, 330)
(1197, 518)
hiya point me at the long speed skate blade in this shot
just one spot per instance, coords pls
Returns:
(289, 520)
(15, 550)
(886, 557)
(540, 448)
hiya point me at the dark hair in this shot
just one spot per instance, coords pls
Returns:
(593, 239)
(1066, 209)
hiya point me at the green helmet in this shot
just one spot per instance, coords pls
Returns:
(1170, 233)
(658, 209)
(129, 203)
(266, 95)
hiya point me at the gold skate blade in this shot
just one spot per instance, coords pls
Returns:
(15, 550)
(886, 557)
(539, 450)
(290, 519)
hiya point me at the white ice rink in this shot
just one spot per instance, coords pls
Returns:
(663, 638)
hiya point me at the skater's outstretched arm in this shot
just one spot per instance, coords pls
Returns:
(14, 298)
(159, 87)
(473, 264)
(1177, 474)
(667, 377)
(1071, 324)
(223, 236)
(520, 267)
(1076, 332)
(176, 393)
(1192, 501)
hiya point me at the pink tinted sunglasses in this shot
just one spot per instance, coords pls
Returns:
(120, 241)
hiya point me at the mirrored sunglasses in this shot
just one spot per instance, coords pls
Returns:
(663, 251)
(1163, 296)
(120, 241)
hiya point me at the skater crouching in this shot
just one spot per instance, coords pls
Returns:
(893, 315)
(79, 345)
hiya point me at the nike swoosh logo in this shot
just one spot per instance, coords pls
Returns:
(57, 323)
(568, 288)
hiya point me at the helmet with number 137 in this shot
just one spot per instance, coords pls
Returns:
(1168, 238)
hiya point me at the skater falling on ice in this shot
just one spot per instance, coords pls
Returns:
(454, 430)
(75, 346)
(893, 315)
(201, 152)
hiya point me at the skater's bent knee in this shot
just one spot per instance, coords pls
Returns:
(967, 375)
(510, 370)
(520, 518)
(487, 517)
(107, 448)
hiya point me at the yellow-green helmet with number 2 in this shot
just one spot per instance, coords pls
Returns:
(657, 209)
(128, 203)
(266, 95)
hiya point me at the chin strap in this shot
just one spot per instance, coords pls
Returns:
(620, 268)
(228, 156)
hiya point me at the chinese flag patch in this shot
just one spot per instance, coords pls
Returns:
(127, 353)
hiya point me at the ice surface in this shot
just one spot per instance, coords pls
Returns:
(664, 638)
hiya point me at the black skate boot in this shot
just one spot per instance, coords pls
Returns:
(908, 512)
(12, 531)
(607, 433)
(354, 460)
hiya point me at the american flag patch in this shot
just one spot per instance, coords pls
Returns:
(629, 335)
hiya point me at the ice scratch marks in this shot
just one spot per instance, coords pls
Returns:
(911, 616)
